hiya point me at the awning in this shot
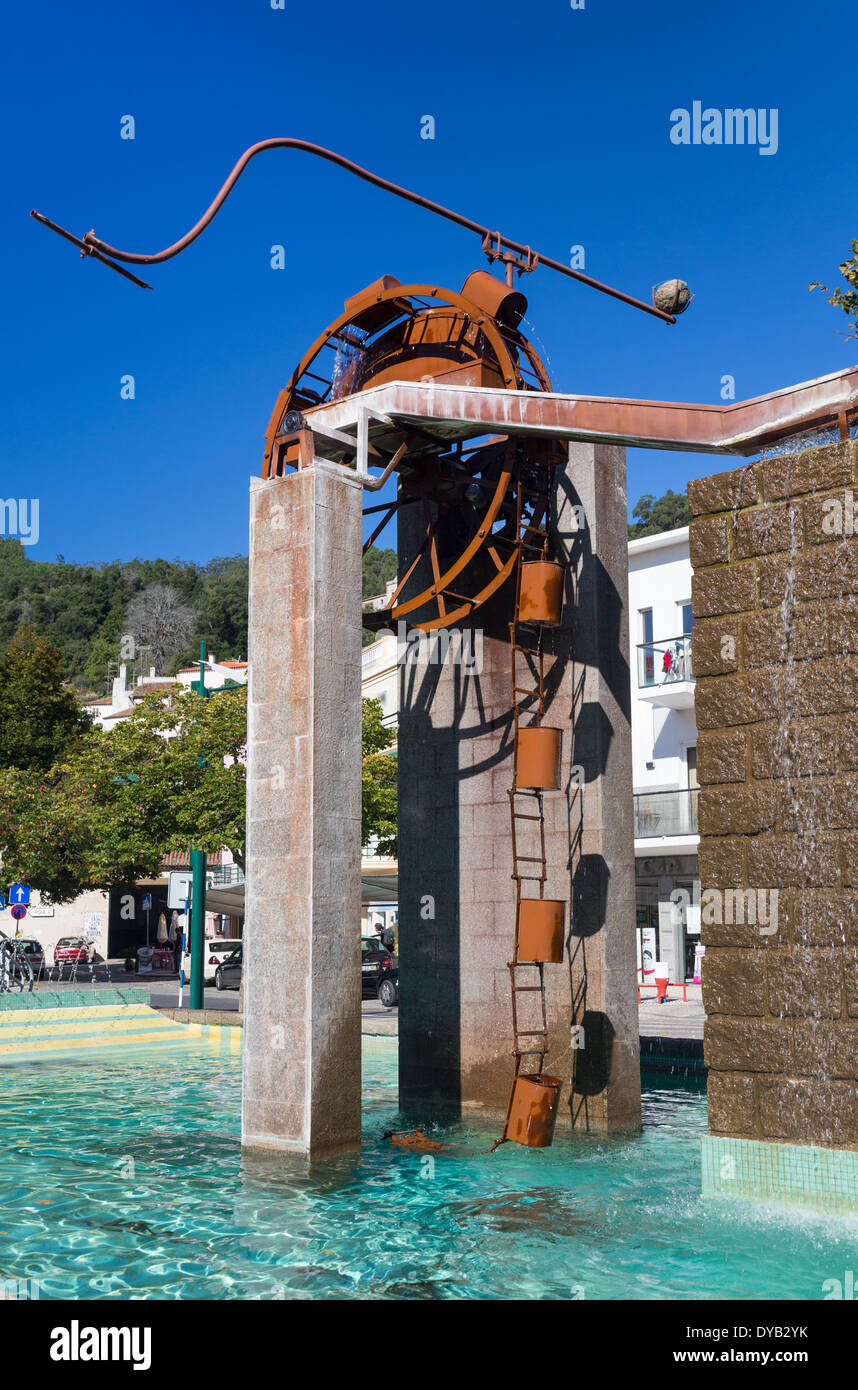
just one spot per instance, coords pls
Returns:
(379, 888)
(374, 888)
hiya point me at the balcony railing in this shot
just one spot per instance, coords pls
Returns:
(223, 875)
(664, 663)
(666, 813)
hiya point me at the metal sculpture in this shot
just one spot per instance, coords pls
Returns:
(485, 512)
(470, 495)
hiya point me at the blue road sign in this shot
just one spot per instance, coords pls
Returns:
(2, 903)
(147, 901)
(19, 893)
(19, 911)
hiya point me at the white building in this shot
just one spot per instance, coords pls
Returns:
(664, 749)
(124, 695)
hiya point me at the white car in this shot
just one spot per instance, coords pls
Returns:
(214, 952)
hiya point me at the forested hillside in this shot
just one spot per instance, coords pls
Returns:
(168, 606)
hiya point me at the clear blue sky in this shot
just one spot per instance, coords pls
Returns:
(551, 123)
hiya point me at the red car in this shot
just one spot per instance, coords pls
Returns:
(70, 948)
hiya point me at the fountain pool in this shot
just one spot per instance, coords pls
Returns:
(128, 1181)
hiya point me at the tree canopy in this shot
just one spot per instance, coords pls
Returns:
(86, 610)
(108, 812)
(847, 300)
(379, 781)
(39, 718)
(170, 775)
(663, 514)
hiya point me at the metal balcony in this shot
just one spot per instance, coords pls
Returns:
(224, 875)
(665, 675)
(660, 815)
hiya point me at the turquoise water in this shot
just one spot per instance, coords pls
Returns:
(129, 1182)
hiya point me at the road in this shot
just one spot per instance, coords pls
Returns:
(164, 994)
(677, 1018)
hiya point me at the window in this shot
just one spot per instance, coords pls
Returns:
(646, 665)
(691, 761)
(687, 617)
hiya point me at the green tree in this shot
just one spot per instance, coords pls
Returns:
(378, 781)
(39, 718)
(663, 514)
(106, 814)
(378, 567)
(847, 300)
(170, 775)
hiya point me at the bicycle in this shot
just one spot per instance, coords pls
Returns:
(16, 972)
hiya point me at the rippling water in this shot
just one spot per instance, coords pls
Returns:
(130, 1182)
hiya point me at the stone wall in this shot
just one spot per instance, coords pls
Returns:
(776, 658)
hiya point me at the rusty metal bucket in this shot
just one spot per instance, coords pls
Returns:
(540, 930)
(533, 1110)
(538, 759)
(540, 598)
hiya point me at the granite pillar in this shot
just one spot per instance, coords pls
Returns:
(302, 1035)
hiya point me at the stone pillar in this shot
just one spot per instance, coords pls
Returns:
(302, 1032)
(456, 894)
(775, 555)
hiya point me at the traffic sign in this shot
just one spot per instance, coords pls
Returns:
(180, 889)
(2, 903)
(147, 902)
(19, 893)
(18, 911)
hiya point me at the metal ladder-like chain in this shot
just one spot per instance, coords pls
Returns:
(527, 665)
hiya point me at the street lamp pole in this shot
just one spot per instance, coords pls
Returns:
(198, 900)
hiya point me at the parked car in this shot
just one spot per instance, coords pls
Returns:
(70, 949)
(214, 952)
(379, 972)
(35, 955)
(228, 973)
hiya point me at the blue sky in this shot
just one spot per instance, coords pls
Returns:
(551, 123)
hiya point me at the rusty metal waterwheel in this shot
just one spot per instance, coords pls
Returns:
(466, 490)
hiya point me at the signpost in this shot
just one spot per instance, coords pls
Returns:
(198, 902)
(179, 890)
(19, 893)
(19, 910)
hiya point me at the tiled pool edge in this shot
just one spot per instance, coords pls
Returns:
(72, 998)
(824, 1180)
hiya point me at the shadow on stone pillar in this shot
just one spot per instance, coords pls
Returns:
(457, 896)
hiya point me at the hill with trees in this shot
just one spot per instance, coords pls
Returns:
(166, 606)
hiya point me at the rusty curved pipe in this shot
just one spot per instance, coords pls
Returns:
(96, 245)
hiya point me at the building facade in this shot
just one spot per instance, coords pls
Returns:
(664, 753)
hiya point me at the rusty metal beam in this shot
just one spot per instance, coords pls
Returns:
(493, 243)
(741, 427)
